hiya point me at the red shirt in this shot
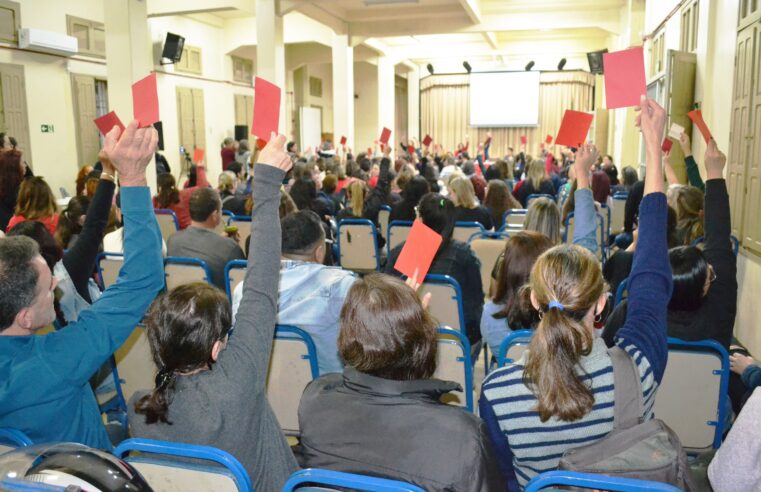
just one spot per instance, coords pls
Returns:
(182, 209)
(50, 222)
(228, 156)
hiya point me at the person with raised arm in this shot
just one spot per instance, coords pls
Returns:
(560, 394)
(211, 382)
(45, 391)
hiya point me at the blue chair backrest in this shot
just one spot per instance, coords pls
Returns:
(287, 332)
(620, 291)
(445, 314)
(449, 337)
(395, 227)
(14, 437)
(182, 450)
(735, 243)
(106, 256)
(530, 198)
(463, 230)
(515, 339)
(233, 265)
(500, 234)
(196, 262)
(595, 482)
(511, 213)
(371, 230)
(20, 485)
(166, 211)
(313, 477)
(601, 238)
(115, 409)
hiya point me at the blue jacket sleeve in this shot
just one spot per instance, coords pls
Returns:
(78, 350)
(499, 443)
(650, 287)
(752, 377)
(585, 220)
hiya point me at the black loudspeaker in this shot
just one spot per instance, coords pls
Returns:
(241, 132)
(595, 61)
(160, 129)
(173, 47)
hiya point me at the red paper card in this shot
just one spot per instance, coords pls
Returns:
(697, 117)
(198, 155)
(524, 140)
(369, 151)
(385, 135)
(624, 77)
(427, 140)
(145, 101)
(574, 128)
(107, 122)
(548, 139)
(260, 143)
(266, 109)
(411, 149)
(418, 251)
(343, 140)
(666, 145)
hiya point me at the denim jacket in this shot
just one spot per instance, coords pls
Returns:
(311, 297)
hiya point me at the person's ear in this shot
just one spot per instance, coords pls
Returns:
(319, 253)
(24, 318)
(534, 301)
(601, 304)
(216, 349)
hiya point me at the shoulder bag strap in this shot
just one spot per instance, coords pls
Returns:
(627, 390)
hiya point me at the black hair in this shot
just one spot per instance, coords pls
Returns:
(437, 212)
(303, 191)
(203, 203)
(302, 232)
(47, 246)
(18, 280)
(68, 223)
(289, 146)
(415, 189)
(689, 269)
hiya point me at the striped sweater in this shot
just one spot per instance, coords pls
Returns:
(525, 445)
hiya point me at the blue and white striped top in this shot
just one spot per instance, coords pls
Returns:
(537, 446)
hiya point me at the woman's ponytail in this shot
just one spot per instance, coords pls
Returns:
(155, 406)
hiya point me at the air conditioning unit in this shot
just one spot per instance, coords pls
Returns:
(48, 42)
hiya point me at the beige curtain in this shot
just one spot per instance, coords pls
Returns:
(445, 111)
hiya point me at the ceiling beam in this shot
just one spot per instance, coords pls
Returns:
(491, 38)
(473, 10)
(321, 14)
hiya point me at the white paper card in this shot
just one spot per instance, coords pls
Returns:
(676, 131)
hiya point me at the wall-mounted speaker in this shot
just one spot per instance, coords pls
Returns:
(173, 47)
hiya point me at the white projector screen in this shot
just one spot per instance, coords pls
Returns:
(504, 99)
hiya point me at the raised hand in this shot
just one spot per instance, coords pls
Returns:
(684, 142)
(586, 157)
(274, 154)
(412, 283)
(131, 152)
(108, 166)
(739, 362)
(651, 120)
(715, 161)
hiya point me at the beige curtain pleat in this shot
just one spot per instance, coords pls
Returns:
(445, 111)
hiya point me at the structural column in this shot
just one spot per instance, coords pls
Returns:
(343, 90)
(270, 49)
(128, 58)
(386, 98)
(413, 103)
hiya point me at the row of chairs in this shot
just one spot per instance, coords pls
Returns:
(165, 467)
(178, 270)
(692, 398)
(169, 224)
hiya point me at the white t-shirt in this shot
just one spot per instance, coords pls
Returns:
(113, 242)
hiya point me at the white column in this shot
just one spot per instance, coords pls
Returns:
(270, 49)
(386, 98)
(128, 59)
(413, 103)
(343, 90)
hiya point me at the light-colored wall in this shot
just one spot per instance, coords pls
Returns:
(322, 71)
(365, 105)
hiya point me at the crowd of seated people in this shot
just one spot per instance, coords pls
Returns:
(376, 408)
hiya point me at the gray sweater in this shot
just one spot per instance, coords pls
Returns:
(227, 406)
(735, 467)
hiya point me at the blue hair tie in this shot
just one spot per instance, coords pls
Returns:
(556, 304)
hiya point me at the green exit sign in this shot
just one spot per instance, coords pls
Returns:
(47, 128)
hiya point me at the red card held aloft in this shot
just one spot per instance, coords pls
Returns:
(198, 155)
(385, 136)
(411, 149)
(624, 77)
(266, 109)
(524, 140)
(418, 251)
(343, 140)
(574, 128)
(145, 101)
(548, 139)
(107, 122)
(666, 145)
(697, 117)
(427, 140)
(260, 143)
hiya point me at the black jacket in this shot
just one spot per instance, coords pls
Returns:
(715, 319)
(357, 423)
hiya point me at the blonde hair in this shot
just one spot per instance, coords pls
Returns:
(356, 193)
(544, 216)
(688, 203)
(569, 275)
(536, 174)
(35, 199)
(462, 193)
(226, 181)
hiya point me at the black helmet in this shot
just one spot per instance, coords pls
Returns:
(67, 464)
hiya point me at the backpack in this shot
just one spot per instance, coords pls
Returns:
(633, 449)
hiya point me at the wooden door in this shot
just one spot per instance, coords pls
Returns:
(83, 96)
(14, 113)
(190, 115)
(750, 135)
